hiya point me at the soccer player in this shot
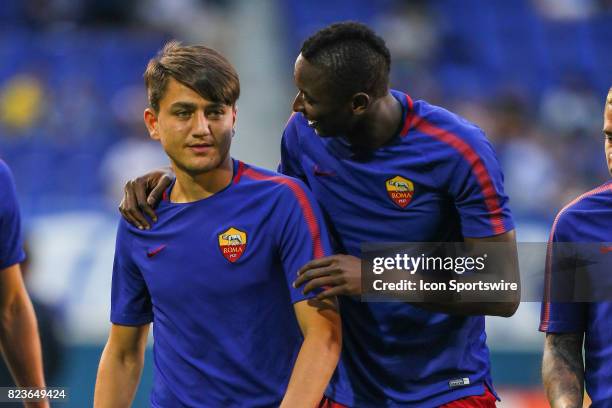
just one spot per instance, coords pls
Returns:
(217, 288)
(569, 325)
(356, 143)
(19, 340)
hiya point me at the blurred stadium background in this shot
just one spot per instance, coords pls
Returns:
(532, 73)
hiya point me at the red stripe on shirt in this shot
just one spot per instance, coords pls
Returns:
(409, 116)
(238, 172)
(545, 318)
(307, 210)
(479, 170)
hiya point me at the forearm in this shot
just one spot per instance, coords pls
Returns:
(118, 378)
(563, 370)
(315, 364)
(20, 342)
(20, 345)
(500, 266)
(503, 309)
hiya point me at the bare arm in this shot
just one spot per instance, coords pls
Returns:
(142, 194)
(563, 369)
(508, 271)
(19, 338)
(120, 366)
(318, 357)
(341, 275)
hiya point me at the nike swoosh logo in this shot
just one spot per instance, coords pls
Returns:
(319, 172)
(153, 252)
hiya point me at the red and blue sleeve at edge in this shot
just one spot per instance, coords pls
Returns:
(473, 177)
(562, 317)
(302, 235)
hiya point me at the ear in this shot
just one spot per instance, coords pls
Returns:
(150, 120)
(360, 102)
(234, 113)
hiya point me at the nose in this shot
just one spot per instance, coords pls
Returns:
(200, 124)
(298, 103)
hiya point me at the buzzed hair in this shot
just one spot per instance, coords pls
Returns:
(198, 67)
(354, 56)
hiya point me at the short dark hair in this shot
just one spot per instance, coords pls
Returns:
(200, 68)
(356, 58)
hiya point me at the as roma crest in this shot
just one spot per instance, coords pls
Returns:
(400, 190)
(232, 244)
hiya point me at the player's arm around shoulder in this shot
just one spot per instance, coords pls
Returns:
(120, 366)
(563, 369)
(320, 323)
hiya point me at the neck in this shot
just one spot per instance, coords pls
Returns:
(193, 187)
(382, 122)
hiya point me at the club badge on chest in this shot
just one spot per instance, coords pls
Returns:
(400, 190)
(232, 244)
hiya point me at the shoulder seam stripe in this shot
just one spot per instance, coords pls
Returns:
(408, 118)
(478, 170)
(307, 210)
(545, 314)
(239, 172)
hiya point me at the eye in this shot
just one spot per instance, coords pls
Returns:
(215, 113)
(183, 114)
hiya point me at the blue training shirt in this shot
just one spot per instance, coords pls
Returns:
(587, 219)
(214, 276)
(438, 180)
(11, 240)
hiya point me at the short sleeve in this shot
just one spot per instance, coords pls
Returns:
(476, 183)
(130, 298)
(557, 316)
(290, 163)
(303, 235)
(11, 240)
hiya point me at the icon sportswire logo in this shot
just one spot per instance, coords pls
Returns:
(151, 253)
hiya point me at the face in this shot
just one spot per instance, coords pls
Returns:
(326, 113)
(195, 133)
(608, 130)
